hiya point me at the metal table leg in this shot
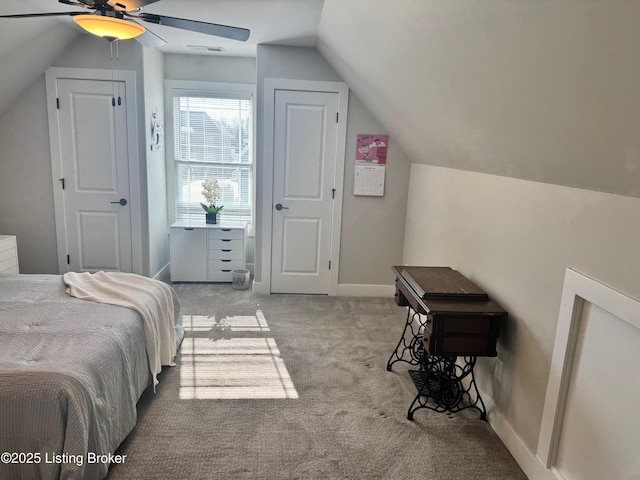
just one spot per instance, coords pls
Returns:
(440, 380)
(409, 348)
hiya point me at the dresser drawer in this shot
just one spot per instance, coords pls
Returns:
(465, 345)
(454, 340)
(226, 254)
(206, 253)
(225, 244)
(466, 325)
(226, 233)
(216, 265)
(223, 275)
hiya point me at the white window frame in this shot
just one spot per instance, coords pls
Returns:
(182, 87)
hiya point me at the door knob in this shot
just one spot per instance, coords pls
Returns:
(122, 201)
(279, 207)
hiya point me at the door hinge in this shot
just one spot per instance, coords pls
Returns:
(329, 264)
(333, 193)
(58, 103)
(68, 259)
(337, 117)
(62, 181)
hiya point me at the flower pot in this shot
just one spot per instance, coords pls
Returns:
(211, 218)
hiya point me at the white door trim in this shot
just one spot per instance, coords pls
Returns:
(129, 77)
(577, 290)
(270, 87)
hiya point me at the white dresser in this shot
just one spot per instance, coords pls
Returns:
(8, 254)
(206, 253)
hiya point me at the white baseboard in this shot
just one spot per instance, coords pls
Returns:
(344, 290)
(260, 288)
(361, 290)
(532, 466)
(164, 274)
(250, 267)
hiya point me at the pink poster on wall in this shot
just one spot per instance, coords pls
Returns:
(372, 148)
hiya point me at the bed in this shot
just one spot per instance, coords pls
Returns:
(71, 372)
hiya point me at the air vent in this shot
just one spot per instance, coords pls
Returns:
(205, 48)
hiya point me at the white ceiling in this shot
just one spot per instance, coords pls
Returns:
(276, 22)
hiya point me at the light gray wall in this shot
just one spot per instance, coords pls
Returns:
(209, 68)
(27, 50)
(372, 227)
(26, 190)
(364, 264)
(155, 163)
(515, 238)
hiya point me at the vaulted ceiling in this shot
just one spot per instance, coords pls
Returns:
(544, 90)
(276, 22)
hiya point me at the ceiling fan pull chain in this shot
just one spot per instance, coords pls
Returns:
(113, 86)
(118, 70)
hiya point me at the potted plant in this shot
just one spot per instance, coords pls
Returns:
(211, 194)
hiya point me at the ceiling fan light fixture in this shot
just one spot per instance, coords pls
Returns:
(109, 27)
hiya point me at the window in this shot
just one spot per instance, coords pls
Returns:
(213, 139)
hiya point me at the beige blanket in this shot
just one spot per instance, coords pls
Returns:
(152, 299)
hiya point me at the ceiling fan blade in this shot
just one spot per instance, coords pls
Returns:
(129, 5)
(226, 31)
(74, 4)
(52, 14)
(150, 39)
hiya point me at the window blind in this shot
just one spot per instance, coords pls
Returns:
(213, 140)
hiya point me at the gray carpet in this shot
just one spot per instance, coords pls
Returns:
(347, 422)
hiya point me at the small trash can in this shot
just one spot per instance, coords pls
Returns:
(241, 279)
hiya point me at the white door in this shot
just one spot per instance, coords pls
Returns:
(94, 162)
(305, 144)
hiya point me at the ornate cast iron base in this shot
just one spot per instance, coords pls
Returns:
(440, 380)
(409, 348)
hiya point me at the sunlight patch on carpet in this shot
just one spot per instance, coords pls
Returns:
(229, 359)
(241, 323)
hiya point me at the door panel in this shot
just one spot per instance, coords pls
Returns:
(95, 167)
(98, 235)
(301, 246)
(304, 152)
(305, 133)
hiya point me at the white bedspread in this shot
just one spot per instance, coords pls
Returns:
(151, 298)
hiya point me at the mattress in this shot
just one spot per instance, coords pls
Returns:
(71, 372)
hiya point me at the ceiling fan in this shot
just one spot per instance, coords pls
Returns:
(118, 20)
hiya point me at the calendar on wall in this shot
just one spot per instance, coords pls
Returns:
(371, 162)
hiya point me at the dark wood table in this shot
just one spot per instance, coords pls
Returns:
(448, 317)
